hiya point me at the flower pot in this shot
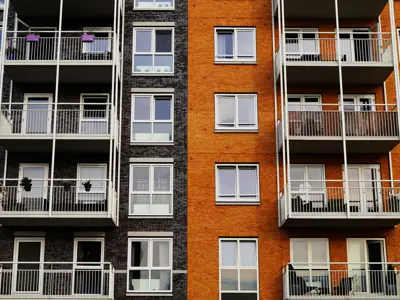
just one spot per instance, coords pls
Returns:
(33, 37)
(88, 187)
(67, 188)
(87, 38)
(28, 187)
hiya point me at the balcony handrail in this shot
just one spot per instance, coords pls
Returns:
(54, 179)
(344, 31)
(55, 263)
(59, 103)
(62, 31)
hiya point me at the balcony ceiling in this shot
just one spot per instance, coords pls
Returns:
(325, 9)
(72, 8)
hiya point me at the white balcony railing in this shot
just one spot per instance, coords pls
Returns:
(72, 119)
(69, 196)
(374, 48)
(326, 120)
(358, 280)
(55, 280)
(19, 48)
(329, 198)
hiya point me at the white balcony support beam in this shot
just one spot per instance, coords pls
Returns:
(395, 57)
(285, 135)
(3, 48)
(338, 57)
(53, 150)
(276, 115)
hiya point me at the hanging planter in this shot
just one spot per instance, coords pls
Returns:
(26, 183)
(67, 186)
(33, 37)
(87, 37)
(87, 185)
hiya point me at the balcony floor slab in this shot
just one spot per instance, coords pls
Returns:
(327, 221)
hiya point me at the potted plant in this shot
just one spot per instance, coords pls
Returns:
(33, 37)
(88, 37)
(26, 183)
(87, 185)
(66, 185)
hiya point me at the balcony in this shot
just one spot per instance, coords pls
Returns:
(58, 202)
(368, 129)
(56, 280)
(51, 8)
(76, 123)
(326, 203)
(341, 281)
(365, 61)
(80, 62)
(325, 9)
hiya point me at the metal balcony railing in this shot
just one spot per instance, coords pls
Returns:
(326, 120)
(69, 196)
(45, 48)
(359, 280)
(55, 280)
(374, 198)
(322, 47)
(72, 119)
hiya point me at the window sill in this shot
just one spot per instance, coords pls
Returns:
(238, 203)
(148, 295)
(154, 74)
(236, 130)
(234, 62)
(152, 143)
(151, 217)
(155, 8)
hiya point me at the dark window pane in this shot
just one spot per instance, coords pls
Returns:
(89, 252)
(239, 296)
(93, 109)
(225, 44)
(163, 41)
(308, 35)
(139, 254)
(162, 108)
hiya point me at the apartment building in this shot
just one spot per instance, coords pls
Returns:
(93, 149)
(293, 132)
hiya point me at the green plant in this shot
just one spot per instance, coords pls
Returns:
(87, 185)
(26, 183)
(67, 185)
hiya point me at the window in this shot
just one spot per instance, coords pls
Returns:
(310, 261)
(149, 265)
(237, 183)
(94, 114)
(102, 42)
(151, 188)
(358, 102)
(304, 103)
(308, 183)
(236, 112)
(154, 4)
(301, 41)
(235, 44)
(152, 118)
(238, 264)
(153, 50)
(96, 174)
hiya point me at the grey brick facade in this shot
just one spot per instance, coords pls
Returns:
(59, 241)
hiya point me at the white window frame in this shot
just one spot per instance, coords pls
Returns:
(300, 32)
(17, 240)
(152, 117)
(238, 266)
(136, 7)
(85, 46)
(151, 187)
(303, 102)
(82, 108)
(238, 199)
(25, 111)
(79, 182)
(357, 103)
(45, 166)
(153, 52)
(309, 252)
(149, 263)
(235, 58)
(236, 126)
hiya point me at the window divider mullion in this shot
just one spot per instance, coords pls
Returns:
(237, 184)
(239, 263)
(236, 121)
(151, 179)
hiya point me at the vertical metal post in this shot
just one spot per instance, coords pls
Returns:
(283, 117)
(3, 47)
(286, 114)
(53, 150)
(393, 35)
(339, 59)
